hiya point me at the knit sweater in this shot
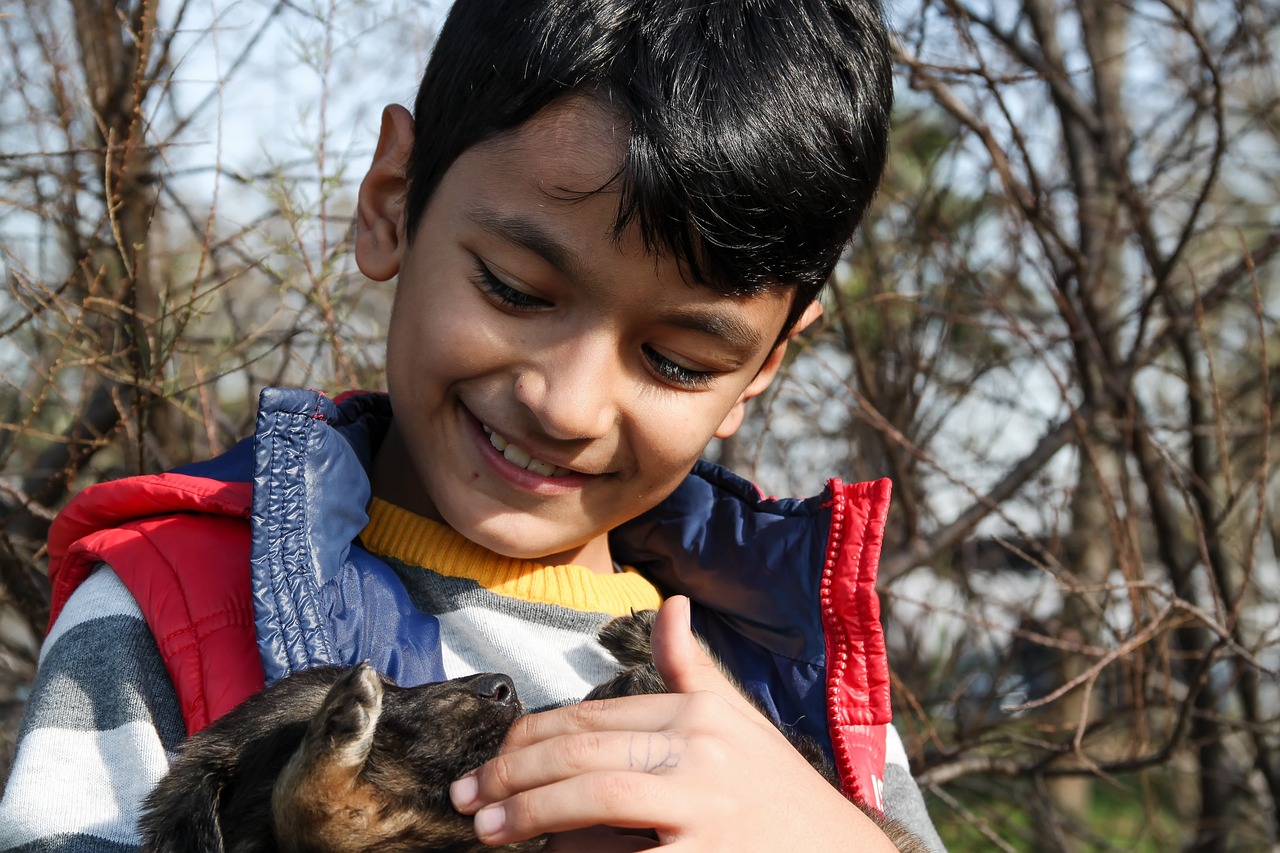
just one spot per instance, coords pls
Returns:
(103, 721)
(102, 693)
(537, 623)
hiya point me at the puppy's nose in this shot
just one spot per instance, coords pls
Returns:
(495, 687)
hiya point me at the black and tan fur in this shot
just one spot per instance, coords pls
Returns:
(333, 760)
(339, 760)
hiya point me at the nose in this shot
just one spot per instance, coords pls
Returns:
(495, 687)
(572, 390)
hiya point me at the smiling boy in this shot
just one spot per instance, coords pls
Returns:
(606, 220)
(552, 379)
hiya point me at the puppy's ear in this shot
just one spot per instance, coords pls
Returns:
(627, 638)
(182, 816)
(341, 732)
(332, 752)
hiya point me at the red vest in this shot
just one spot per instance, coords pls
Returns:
(181, 546)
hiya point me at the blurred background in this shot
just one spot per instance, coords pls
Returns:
(1055, 333)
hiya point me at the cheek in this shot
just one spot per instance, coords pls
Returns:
(437, 336)
(670, 442)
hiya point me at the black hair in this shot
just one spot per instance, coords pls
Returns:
(758, 128)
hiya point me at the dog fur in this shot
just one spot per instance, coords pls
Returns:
(340, 760)
(332, 760)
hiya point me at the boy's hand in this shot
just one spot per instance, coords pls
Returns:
(699, 766)
(601, 839)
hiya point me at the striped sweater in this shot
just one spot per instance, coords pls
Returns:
(103, 721)
(497, 614)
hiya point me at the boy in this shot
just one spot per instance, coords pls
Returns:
(607, 219)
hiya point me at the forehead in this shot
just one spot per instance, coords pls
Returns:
(575, 139)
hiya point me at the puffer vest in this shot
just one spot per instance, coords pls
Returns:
(248, 567)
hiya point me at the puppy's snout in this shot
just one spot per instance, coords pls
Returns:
(496, 688)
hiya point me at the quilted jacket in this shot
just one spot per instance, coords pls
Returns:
(248, 567)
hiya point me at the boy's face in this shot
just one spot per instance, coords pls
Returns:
(549, 381)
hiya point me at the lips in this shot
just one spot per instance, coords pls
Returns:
(521, 459)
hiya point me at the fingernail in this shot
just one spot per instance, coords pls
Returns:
(489, 821)
(464, 792)
(686, 614)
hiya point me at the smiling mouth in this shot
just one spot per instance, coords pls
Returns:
(520, 459)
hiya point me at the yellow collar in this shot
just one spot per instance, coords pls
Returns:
(416, 541)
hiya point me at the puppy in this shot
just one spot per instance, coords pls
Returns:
(333, 760)
(340, 760)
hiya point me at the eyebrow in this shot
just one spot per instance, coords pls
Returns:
(737, 333)
(527, 233)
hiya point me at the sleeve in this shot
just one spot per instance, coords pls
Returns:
(902, 798)
(100, 727)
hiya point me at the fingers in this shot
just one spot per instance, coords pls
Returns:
(683, 662)
(619, 799)
(631, 713)
(567, 756)
(603, 762)
(638, 761)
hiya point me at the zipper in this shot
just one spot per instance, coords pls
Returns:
(837, 642)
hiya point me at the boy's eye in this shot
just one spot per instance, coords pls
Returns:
(503, 292)
(677, 374)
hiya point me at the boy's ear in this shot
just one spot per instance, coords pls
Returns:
(380, 237)
(767, 371)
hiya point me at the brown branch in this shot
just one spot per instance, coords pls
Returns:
(948, 537)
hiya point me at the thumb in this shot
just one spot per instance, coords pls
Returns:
(682, 661)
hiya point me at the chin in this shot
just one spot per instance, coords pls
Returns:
(509, 538)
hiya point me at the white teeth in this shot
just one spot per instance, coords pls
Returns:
(537, 466)
(516, 456)
(521, 459)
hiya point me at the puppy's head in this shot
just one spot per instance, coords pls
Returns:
(374, 768)
(334, 760)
